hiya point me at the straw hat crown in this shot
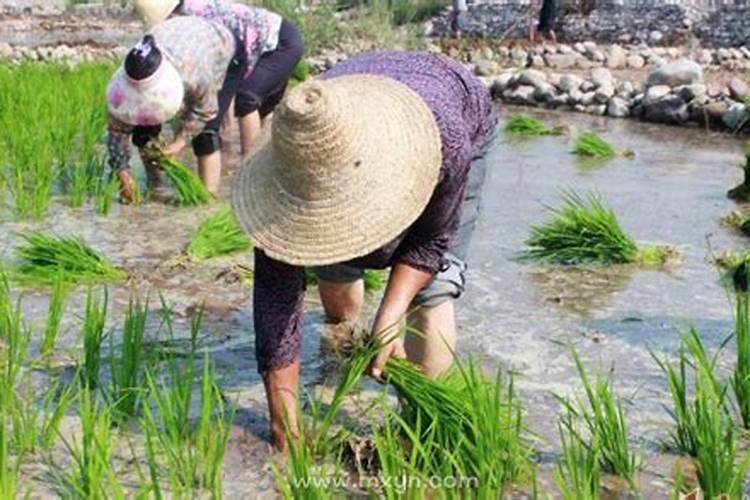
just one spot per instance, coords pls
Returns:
(351, 163)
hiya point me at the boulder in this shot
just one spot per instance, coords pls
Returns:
(559, 100)
(616, 57)
(537, 61)
(655, 36)
(584, 63)
(670, 109)
(587, 86)
(635, 61)
(738, 89)
(596, 109)
(691, 92)
(518, 54)
(565, 49)
(604, 93)
(561, 61)
(601, 76)
(736, 117)
(618, 108)
(715, 110)
(676, 73)
(588, 99)
(575, 96)
(579, 47)
(655, 93)
(544, 93)
(531, 77)
(597, 56)
(501, 83)
(569, 82)
(486, 67)
(625, 89)
(523, 94)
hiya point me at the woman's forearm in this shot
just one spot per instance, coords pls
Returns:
(403, 285)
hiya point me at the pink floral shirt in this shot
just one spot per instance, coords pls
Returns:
(256, 29)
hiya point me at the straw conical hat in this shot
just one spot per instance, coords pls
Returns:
(351, 163)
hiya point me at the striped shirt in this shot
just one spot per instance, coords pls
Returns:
(201, 51)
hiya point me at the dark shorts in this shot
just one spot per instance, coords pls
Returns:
(547, 16)
(450, 282)
(262, 90)
(458, 20)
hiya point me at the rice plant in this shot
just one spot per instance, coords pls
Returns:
(591, 145)
(189, 188)
(741, 376)
(578, 473)
(91, 474)
(127, 386)
(739, 221)
(9, 465)
(585, 231)
(601, 414)
(46, 259)
(741, 192)
(94, 323)
(54, 318)
(525, 125)
(219, 234)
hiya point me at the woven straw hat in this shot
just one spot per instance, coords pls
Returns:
(351, 163)
(152, 12)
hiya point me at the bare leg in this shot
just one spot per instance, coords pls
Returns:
(249, 131)
(433, 349)
(209, 169)
(553, 36)
(281, 391)
(342, 302)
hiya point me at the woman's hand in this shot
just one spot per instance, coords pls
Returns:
(175, 148)
(403, 285)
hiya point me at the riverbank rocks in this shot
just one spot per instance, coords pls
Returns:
(676, 73)
(738, 89)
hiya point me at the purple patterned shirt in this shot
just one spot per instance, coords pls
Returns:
(463, 110)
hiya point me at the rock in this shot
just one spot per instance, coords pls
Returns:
(565, 49)
(597, 56)
(745, 52)
(655, 36)
(738, 89)
(569, 82)
(670, 109)
(486, 68)
(575, 96)
(616, 57)
(588, 98)
(618, 108)
(635, 61)
(691, 92)
(589, 46)
(6, 51)
(544, 93)
(723, 55)
(537, 61)
(587, 86)
(518, 54)
(531, 77)
(625, 89)
(715, 110)
(604, 93)
(655, 93)
(736, 117)
(583, 63)
(523, 94)
(676, 73)
(596, 109)
(500, 84)
(561, 61)
(579, 47)
(600, 76)
(705, 57)
(559, 101)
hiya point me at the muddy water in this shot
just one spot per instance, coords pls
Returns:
(515, 315)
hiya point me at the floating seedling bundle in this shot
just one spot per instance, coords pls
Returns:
(590, 145)
(524, 125)
(188, 186)
(46, 260)
(219, 234)
(585, 231)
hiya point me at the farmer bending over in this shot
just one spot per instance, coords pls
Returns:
(269, 48)
(378, 164)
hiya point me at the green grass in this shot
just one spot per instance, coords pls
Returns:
(189, 188)
(54, 318)
(63, 155)
(591, 145)
(578, 473)
(741, 375)
(46, 259)
(127, 385)
(219, 234)
(601, 414)
(525, 125)
(742, 191)
(9, 465)
(94, 323)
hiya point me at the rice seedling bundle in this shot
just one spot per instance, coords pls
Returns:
(524, 125)
(578, 473)
(582, 231)
(601, 414)
(94, 322)
(219, 234)
(188, 186)
(46, 259)
(591, 145)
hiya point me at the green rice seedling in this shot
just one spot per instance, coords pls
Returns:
(127, 386)
(591, 145)
(739, 221)
(189, 187)
(219, 234)
(91, 474)
(578, 474)
(583, 231)
(14, 342)
(105, 193)
(741, 376)
(692, 359)
(45, 259)
(9, 465)
(94, 322)
(742, 191)
(603, 417)
(54, 318)
(525, 125)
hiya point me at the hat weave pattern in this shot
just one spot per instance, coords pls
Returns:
(351, 163)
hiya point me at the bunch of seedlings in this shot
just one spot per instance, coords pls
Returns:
(219, 234)
(601, 415)
(738, 220)
(741, 192)
(189, 188)
(578, 473)
(526, 126)
(585, 231)
(47, 260)
(590, 145)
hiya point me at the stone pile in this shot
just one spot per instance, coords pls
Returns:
(72, 54)
(674, 94)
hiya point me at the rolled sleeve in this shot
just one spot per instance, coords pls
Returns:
(278, 297)
(118, 144)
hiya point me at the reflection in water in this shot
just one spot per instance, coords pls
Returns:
(580, 290)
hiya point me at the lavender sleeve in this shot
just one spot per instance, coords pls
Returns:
(278, 296)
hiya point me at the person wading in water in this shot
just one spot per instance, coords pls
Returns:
(379, 163)
(546, 22)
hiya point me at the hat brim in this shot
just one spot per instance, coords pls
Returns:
(153, 101)
(398, 139)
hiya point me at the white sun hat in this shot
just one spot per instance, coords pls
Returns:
(152, 12)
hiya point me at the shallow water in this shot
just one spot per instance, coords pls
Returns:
(513, 314)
